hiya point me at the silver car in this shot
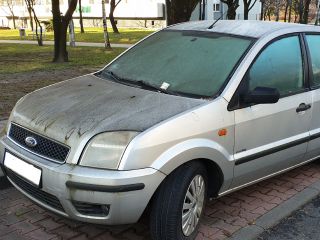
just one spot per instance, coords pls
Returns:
(194, 111)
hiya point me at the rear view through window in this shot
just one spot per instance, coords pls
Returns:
(186, 62)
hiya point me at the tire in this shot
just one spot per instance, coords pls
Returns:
(166, 221)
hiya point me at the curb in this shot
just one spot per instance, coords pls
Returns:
(274, 216)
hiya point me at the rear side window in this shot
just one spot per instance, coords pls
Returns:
(279, 66)
(314, 47)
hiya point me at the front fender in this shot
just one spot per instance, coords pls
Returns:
(193, 149)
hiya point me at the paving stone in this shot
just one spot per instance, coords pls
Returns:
(91, 230)
(105, 236)
(24, 227)
(40, 234)
(33, 216)
(66, 232)
(49, 224)
(12, 219)
(21, 219)
(4, 230)
(15, 236)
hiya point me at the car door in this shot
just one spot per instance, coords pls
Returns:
(272, 137)
(313, 43)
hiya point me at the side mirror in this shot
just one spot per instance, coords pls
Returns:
(261, 95)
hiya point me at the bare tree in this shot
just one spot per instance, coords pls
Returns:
(287, 4)
(113, 6)
(60, 27)
(10, 5)
(30, 5)
(232, 8)
(318, 12)
(268, 9)
(306, 8)
(81, 18)
(107, 44)
(30, 15)
(290, 10)
(278, 9)
(180, 10)
(247, 6)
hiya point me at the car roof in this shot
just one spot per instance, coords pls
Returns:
(248, 28)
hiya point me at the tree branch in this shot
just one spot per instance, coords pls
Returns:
(252, 5)
(70, 11)
(118, 3)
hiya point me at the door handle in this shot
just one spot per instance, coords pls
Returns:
(303, 107)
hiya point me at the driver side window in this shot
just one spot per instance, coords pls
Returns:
(279, 66)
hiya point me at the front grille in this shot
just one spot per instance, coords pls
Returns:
(91, 209)
(38, 194)
(45, 147)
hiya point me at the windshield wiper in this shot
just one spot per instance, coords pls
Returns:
(111, 74)
(140, 83)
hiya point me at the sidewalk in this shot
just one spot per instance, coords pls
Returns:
(80, 44)
(242, 215)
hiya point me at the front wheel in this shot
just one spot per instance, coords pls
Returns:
(178, 204)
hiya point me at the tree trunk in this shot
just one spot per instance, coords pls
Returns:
(113, 23)
(60, 27)
(60, 49)
(286, 11)
(232, 13)
(290, 10)
(14, 20)
(277, 15)
(306, 11)
(31, 19)
(301, 11)
(232, 8)
(111, 16)
(39, 37)
(81, 19)
(245, 11)
(180, 10)
(262, 11)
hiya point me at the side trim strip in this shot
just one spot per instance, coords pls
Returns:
(276, 149)
(266, 177)
(102, 188)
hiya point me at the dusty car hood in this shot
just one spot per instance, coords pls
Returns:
(80, 108)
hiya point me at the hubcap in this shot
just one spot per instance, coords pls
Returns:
(193, 205)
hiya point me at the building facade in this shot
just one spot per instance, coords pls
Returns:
(214, 9)
(128, 12)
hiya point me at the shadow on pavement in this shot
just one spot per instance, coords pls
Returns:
(4, 183)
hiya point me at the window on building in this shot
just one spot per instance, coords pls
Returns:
(216, 7)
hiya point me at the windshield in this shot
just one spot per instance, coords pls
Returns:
(182, 62)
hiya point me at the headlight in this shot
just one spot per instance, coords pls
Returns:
(106, 149)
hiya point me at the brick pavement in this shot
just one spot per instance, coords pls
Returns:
(21, 219)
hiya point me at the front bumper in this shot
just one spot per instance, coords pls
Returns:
(125, 193)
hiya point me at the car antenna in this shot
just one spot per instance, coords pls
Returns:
(222, 15)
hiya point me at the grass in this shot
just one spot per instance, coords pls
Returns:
(126, 36)
(17, 58)
(25, 68)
